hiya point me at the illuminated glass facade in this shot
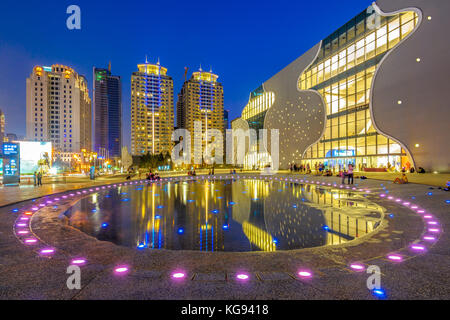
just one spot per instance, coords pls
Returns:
(201, 100)
(151, 110)
(343, 73)
(107, 113)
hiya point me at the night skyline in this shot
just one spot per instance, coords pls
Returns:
(174, 36)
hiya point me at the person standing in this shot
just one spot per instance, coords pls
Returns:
(39, 178)
(35, 178)
(350, 173)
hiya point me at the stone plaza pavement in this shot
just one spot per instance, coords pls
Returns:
(25, 275)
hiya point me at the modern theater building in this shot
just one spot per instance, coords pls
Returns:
(373, 93)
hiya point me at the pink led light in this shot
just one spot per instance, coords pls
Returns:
(21, 225)
(357, 267)
(24, 218)
(56, 199)
(429, 238)
(78, 261)
(390, 198)
(242, 276)
(394, 257)
(121, 270)
(434, 223)
(421, 211)
(23, 232)
(42, 205)
(414, 207)
(304, 274)
(434, 230)
(35, 208)
(428, 216)
(398, 200)
(406, 203)
(47, 251)
(178, 275)
(30, 241)
(417, 247)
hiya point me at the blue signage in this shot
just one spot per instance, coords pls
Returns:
(11, 163)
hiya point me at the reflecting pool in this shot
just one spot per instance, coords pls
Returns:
(225, 215)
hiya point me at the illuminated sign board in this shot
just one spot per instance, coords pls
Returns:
(32, 153)
(11, 163)
(10, 149)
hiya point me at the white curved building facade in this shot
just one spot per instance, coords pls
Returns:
(371, 94)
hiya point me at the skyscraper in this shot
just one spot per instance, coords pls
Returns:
(151, 110)
(201, 99)
(59, 108)
(107, 113)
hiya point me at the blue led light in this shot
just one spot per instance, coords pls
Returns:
(55, 207)
(413, 198)
(255, 199)
(156, 194)
(160, 207)
(294, 206)
(126, 199)
(104, 225)
(124, 193)
(275, 240)
(231, 203)
(215, 211)
(326, 228)
(225, 227)
(190, 200)
(391, 215)
(380, 293)
(157, 216)
(447, 201)
(15, 210)
(430, 193)
(94, 210)
(180, 231)
(108, 196)
(219, 197)
(141, 246)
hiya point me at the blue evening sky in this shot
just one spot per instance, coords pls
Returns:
(245, 42)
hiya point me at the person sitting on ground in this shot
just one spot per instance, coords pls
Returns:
(401, 180)
(421, 170)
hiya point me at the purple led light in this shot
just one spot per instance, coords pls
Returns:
(434, 230)
(428, 217)
(48, 251)
(394, 257)
(304, 274)
(24, 218)
(434, 223)
(242, 276)
(429, 238)
(21, 225)
(31, 241)
(357, 267)
(78, 261)
(417, 247)
(178, 275)
(23, 232)
(121, 270)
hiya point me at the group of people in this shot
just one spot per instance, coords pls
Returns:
(192, 173)
(153, 176)
(293, 167)
(347, 173)
(37, 176)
